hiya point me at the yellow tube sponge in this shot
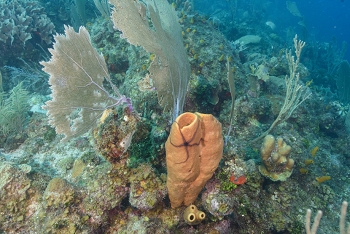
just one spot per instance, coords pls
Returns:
(193, 216)
(193, 152)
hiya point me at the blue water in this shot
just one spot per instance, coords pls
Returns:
(325, 20)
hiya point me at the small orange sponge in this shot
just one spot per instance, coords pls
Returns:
(193, 152)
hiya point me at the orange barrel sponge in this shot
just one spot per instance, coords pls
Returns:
(193, 152)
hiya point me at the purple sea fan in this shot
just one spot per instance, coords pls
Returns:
(77, 72)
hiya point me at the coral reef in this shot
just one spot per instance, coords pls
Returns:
(57, 212)
(16, 209)
(105, 191)
(99, 183)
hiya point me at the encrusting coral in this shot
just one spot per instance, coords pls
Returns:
(146, 189)
(193, 152)
(276, 164)
(217, 202)
(114, 133)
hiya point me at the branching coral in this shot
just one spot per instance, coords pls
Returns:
(20, 19)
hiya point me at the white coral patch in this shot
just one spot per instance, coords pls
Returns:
(271, 25)
(97, 93)
(125, 143)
